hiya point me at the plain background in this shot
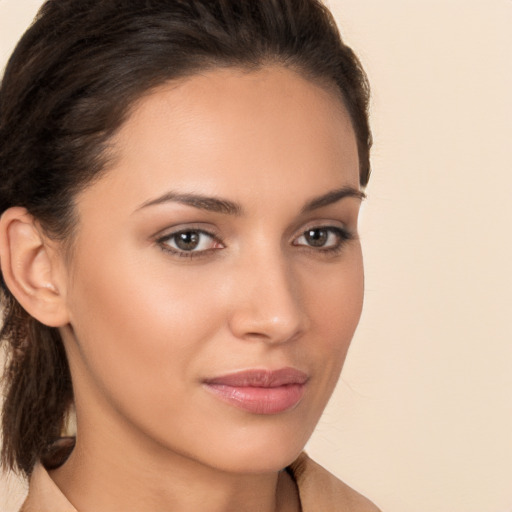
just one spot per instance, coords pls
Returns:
(422, 418)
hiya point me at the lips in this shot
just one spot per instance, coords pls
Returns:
(260, 391)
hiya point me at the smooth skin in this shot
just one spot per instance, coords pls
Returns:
(164, 289)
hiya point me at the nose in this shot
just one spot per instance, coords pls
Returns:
(268, 302)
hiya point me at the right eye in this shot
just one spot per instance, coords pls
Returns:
(189, 242)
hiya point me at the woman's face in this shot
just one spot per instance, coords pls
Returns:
(222, 239)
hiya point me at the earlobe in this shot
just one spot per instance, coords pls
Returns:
(28, 268)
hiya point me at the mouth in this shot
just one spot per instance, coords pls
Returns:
(260, 391)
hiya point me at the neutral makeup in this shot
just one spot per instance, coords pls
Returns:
(213, 290)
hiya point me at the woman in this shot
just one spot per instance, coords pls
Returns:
(180, 188)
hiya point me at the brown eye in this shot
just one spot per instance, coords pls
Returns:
(323, 238)
(189, 241)
(316, 237)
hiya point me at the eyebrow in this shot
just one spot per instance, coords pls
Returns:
(333, 197)
(211, 204)
(227, 207)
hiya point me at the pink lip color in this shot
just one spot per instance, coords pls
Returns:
(260, 391)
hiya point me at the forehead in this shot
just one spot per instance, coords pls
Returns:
(232, 131)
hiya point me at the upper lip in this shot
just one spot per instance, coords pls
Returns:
(261, 378)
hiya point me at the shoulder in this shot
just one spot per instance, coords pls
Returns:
(44, 495)
(319, 490)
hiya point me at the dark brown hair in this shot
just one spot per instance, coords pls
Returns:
(68, 87)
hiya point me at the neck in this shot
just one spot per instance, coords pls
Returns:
(111, 471)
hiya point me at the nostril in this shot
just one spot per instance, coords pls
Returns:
(269, 307)
(252, 324)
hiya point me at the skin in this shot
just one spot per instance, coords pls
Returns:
(144, 326)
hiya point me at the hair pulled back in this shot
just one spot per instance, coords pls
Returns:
(69, 86)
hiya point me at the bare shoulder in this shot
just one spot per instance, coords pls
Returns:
(321, 490)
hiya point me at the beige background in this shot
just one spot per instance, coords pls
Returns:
(422, 419)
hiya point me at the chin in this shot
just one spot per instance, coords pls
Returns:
(271, 459)
(253, 450)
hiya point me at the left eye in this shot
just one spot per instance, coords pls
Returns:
(322, 238)
(190, 240)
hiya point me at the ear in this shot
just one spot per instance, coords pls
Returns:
(31, 268)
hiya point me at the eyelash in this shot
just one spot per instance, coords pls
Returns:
(342, 234)
(164, 245)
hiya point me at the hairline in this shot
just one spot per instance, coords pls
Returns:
(108, 155)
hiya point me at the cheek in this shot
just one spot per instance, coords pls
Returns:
(337, 297)
(145, 332)
(139, 328)
(335, 305)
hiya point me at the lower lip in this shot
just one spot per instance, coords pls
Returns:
(259, 400)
